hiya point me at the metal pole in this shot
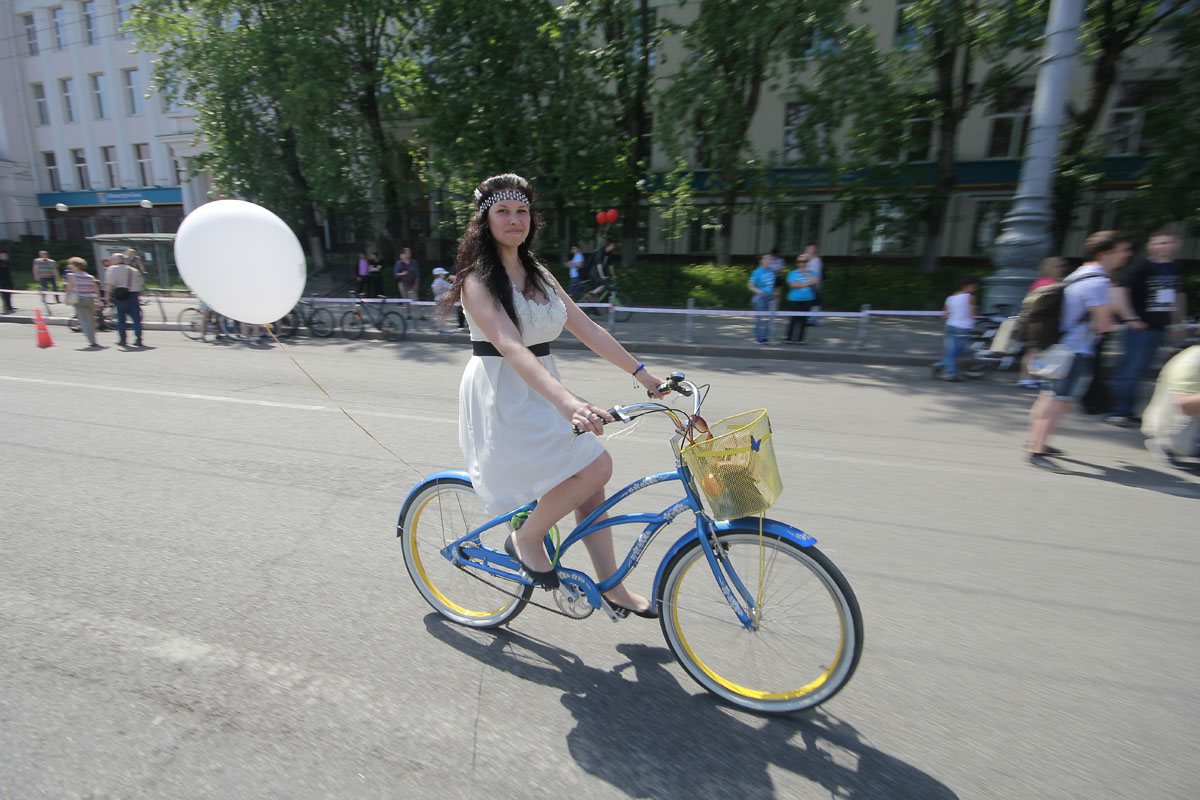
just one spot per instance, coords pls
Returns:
(1025, 238)
(688, 336)
(864, 323)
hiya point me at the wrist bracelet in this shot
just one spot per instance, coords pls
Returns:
(640, 367)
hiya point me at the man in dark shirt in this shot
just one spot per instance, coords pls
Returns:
(6, 282)
(1149, 298)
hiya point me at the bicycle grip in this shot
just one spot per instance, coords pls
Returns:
(612, 412)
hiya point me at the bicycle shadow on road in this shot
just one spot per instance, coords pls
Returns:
(647, 736)
(1134, 476)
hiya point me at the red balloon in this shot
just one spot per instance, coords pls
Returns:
(612, 215)
(601, 217)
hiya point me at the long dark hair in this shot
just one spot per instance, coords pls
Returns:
(477, 253)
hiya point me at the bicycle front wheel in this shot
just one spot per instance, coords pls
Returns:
(619, 299)
(393, 326)
(191, 323)
(442, 512)
(804, 644)
(352, 325)
(320, 323)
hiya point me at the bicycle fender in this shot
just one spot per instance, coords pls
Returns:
(458, 474)
(776, 527)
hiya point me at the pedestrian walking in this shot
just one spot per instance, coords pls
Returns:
(1148, 299)
(575, 271)
(82, 292)
(45, 272)
(1050, 271)
(762, 290)
(1171, 423)
(800, 297)
(959, 313)
(816, 268)
(1086, 314)
(440, 286)
(124, 285)
(6, 283)
(408, 277)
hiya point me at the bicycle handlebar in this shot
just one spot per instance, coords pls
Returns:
(675, 382)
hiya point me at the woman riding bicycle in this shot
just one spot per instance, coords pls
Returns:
(515, 415)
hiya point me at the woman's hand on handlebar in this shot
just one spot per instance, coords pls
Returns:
(650, 383)
(584, 416)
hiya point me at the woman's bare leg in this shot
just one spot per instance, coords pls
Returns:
(604, 559)
(556, 504)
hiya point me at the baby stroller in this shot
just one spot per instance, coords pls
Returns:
(995, 346)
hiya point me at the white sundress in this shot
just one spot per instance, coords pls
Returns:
(516, 445)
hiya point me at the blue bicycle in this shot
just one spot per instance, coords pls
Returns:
(751, 609)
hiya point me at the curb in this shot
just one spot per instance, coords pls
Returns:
(775, 352)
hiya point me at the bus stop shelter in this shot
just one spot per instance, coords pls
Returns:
(157, 251)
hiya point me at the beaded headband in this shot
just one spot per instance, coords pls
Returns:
(503, 194)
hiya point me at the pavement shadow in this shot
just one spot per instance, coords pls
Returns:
(641, 732)
(1135, 476)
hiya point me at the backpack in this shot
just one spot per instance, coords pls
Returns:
(1041, 314)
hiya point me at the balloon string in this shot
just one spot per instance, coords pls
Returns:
(271, 330)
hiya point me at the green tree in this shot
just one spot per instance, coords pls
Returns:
(903, 109)
(1169, 191)
(734, 50)
(537, 108)
(1111, 29)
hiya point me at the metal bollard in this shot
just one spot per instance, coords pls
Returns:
(688, 336)
(864, 323)
(612, 317)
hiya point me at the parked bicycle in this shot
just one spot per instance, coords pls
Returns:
(752, 610)
(318, 319)
(607, 292)
(390, 323)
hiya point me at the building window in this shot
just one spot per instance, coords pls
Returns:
(145, 174)
(797, 227)
(1126, 118)
(52, 172)
(989, 214)
(177, 168)
(89, 22)
(918, 140)
(1009, 124)
(123, 17)
(57, 23)
(112, 170)
(702, 236)
(889, 233)
(40, 103)
(906, 30)
(66, 87)
(99, 103)
(133, 92)
(31, 39)
(83, 182)
(802, 135)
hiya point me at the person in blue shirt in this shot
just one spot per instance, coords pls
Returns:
(800, 297)
(761, 285)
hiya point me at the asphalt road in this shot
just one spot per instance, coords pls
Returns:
(202, 595)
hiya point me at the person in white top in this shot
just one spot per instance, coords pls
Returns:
(515, 414)
(123, 284)
(959, 313)
(816, 268)
(1087, 313)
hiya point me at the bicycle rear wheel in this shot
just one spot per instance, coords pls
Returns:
(287, 325)
(393, 326)
(320, 323)
(620, 299)
(352, 325)
(191, 323)
(808, 637)
(439, 513)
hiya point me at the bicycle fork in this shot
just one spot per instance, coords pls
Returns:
(746, 608)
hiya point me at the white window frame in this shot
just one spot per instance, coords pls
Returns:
(83, 179)
(112, 167)
(123, 14)
(52, 176)
(87, 12)
(58, 22)
(903, 37)
(66, 88)
(143, 165)
(883, 241)
(99, 95)
(1018, 120)
(31, 34)
(131, 79)
(41, 104)
(984, 231)
(1131, 115)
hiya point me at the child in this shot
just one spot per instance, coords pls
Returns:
(959, 313)
(440, 287)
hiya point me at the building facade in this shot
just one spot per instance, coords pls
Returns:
(85, 146)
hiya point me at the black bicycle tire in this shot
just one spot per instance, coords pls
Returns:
(191, 329)
(620, 299)
(393, 317)
(353, 325)
(320, 323)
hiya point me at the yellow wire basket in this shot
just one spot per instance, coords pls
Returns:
(736, 468)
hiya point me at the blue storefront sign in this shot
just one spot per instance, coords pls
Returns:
(171, 195)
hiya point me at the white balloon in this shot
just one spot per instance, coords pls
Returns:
(241, 260)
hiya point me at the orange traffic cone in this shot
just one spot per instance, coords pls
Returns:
(43, 333)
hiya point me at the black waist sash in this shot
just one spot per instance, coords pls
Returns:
(480, 348)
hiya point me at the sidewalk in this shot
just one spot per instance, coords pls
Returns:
(878, 340)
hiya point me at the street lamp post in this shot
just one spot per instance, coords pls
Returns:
(1025, 238)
